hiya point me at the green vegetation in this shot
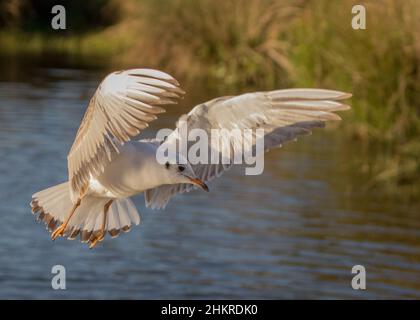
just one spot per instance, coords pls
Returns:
(264, 44)
(380, 65)
(36, 43)
(25, 28)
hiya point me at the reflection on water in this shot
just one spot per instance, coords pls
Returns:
(293, 232)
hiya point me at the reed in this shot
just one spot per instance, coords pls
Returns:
(236, 42)
(380, 65)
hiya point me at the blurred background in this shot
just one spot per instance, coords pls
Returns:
(346, 195)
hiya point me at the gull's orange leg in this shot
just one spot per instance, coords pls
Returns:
(60, 230)
(101, 234)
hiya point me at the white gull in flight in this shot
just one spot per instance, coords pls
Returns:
(106, 167)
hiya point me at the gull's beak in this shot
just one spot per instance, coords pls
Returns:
(199, 183)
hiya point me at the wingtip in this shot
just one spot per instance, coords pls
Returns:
(346, 95)
(344, 107)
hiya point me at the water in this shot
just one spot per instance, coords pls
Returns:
(293, 232)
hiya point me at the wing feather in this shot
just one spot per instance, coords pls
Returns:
(123, 105)
(283, 114)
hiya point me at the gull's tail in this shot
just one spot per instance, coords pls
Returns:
(52, 206)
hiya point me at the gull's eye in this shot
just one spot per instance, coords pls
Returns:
(167, 165)
(181, 168)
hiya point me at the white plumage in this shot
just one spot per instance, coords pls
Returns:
(106, 167)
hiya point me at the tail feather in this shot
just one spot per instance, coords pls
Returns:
(52, 206)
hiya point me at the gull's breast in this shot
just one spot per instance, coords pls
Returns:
(131, 171)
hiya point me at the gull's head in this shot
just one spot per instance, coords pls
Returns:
(183, 173)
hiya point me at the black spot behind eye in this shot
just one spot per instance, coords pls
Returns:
(181, 168)
(167, 165)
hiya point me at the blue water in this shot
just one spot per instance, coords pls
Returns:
(293, 232)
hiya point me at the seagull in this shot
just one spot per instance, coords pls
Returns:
(107, 165)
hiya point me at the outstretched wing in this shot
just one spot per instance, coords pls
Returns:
(283, 114)
(124, 103)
